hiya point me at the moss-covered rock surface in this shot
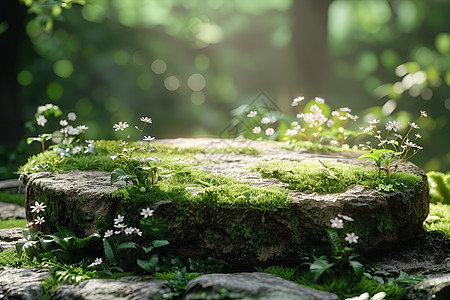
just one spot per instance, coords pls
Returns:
(239, 200)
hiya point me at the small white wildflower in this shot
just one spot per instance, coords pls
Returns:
(354, 117)
(123, 144)
(147, 212)
(82, 127)
(129, 230)
(30, 224)
(63, 123)
(76, 149)
(37, 207)
(410, 144)
(39, 220)
(72, 131)
(119, 219)
(89, 141)
(71, 116)
(120, 225)
(341, 129)
(270, 131)
(148, 138)
(342, 118)
(330, 123)
(423, 113)
(319, 100)
(108, 233)
(393, 125)
(418, 136)
(335, 113)
(252, 114)
(137, 231)
(297, 100)
(96, 262)
(419, 147)
(120, 126)
(352, 238)
(368, 129)
(41, 120)
(374, 121)
(337, 223)
(398, 136)
(291, 132)
(146, 120)
(345, 109)
(256, 130)
(414, 125)
(265, 120)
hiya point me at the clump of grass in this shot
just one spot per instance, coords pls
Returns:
(439, 218)
(8, 197)
(12, 223)
(328, 177)
(10, 258)
(173, 275)
(343, 286)
(315, 147)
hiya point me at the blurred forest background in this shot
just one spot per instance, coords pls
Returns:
(188, 64)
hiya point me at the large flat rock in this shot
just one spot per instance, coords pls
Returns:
(242, 235)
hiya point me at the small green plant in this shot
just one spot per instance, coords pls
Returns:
(401, 148)
(341, 262)
(439, 184)
(141, 171)
(122, 250)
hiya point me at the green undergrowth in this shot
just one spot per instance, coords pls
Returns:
(8, 197)
(342, 285)
(10, 258)
(439, 218)
(329, 177)
(315, 147)
(12, 223)
(173, 275)
(209, 189)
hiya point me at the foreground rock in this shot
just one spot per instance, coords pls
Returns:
(9, 237)
(250, 286)
(242, 235)
(11, 210)
(21, 284)
(431, 289)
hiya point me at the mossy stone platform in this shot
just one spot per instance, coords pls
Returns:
(243, 236)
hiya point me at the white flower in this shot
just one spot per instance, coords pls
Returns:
(341, 129)
(39, 220)
(252, 114)
(354, 117)
(256, 130)
(41, 120)
(342, 118)
(319, 100)
(398, 136)
(137, 231)
(297, 100)
(82, 127)
(72, 131)
(148, 138)
(129, 230)
(76, 149)
(291, 132)
(351, 238)
(368, 129)
(71, 116)
(265, 120)
(89, 141)
(120, 225)
(345, 109)
(37, 207)
(335, 113)
(30, 224)
(145, 120)
(337, 223)
(418, 136)
(119, 219)
(96, 262)
(147, 212)
(423, 113)
(374, 121)
(123, 144)
(108, 233)
(63, 123)
(410, 144)
(330, 123)
(270, 131)
(120, 126)
(414, 125)
(393, 125)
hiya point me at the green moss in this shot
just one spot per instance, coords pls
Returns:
(334, 178)
(439, 187)
(8, 197)
(439, 218)
(11, 223)
(10, 258)
(173, 275)
(314, 147)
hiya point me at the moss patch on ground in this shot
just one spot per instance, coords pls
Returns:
(329, 177)
(439, 218)
(12, 223)
(8, 197)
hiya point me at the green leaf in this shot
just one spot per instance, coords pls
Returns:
(129, 245)
(160, 243)
(335, 241)
(109, 253)
(149, 264)
(65, 232)
(318, 267)
(357, 268)
(118, 175)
